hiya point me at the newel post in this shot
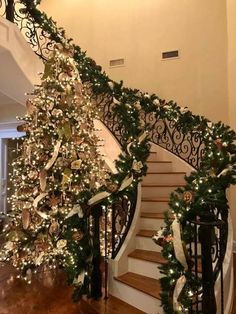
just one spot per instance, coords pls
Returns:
(10, 10)
(206, 238)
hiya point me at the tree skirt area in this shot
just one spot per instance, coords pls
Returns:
(47, 294)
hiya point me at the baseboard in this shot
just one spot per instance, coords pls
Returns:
(234, 247)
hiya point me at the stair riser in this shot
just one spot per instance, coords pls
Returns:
(159, 167)
(145, 243)
(154, 207)
(138, 299)
(144, 268)
(157, 191)
(164, 178)
(152, 157)
(151, 224)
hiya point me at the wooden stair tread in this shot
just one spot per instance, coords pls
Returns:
(155, 199)
(153, 215)
(159, 161)
(167, 172)
(112, 305)
(142, 283)
(150, 256)
(146, 233)
(162, 185)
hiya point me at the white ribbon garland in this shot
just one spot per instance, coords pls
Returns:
(38, 199)
(180, 256)
(100, 196)
(140, 139)
(180, 283)
(126, 182)
(54, 155)
(225, 171)
(42, 215)
(76, 210)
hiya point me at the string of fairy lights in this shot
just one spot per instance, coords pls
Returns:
(57, 170)
(205, 187)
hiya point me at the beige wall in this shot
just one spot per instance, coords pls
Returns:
(140, 30)
(231, 23)
(204, 76)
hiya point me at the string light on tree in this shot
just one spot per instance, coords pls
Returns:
(58, 170)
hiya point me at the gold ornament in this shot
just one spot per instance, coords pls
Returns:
(26, 218)
(82, 155)
(23, 127)
(76, 188)
(76, 164)
(77, 235)
(30, 107)
(112, 187)
(66, 129)
(40, 245)
(36, 219)
(188, 196)
(33, 174)
(78, 89)
(212, 173)
(9, 246)
(43, 179)
(83, 126)
(168, 238)
(66, 176)
(61, 244)
(218, 143)
(54, 201)
(27, 192)
(57, 112)
(137, 165)
(54, 229)
(68, 89)
(77, 139)
(137, 105)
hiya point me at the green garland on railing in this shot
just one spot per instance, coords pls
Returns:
(206, 187)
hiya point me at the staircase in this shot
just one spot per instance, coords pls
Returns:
(140, 285)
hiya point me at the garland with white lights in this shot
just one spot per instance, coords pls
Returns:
(204, 188)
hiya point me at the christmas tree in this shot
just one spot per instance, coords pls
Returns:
(58, 170)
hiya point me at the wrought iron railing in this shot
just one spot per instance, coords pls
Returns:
(34, 34)
(167, 133)
(164, 132)
(207, 249)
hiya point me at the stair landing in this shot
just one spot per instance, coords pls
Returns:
(112, 305)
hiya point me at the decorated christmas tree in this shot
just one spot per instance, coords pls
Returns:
(58, 170)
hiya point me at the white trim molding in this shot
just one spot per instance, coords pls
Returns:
(9, 130)
(234, 247)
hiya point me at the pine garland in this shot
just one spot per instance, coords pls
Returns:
(208, 184)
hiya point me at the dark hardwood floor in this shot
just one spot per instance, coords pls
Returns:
(51, 295)
(45, 295)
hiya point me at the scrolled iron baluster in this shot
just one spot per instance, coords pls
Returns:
(122, 216)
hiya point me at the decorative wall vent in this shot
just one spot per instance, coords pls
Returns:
(170, 54)
(117, 62)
